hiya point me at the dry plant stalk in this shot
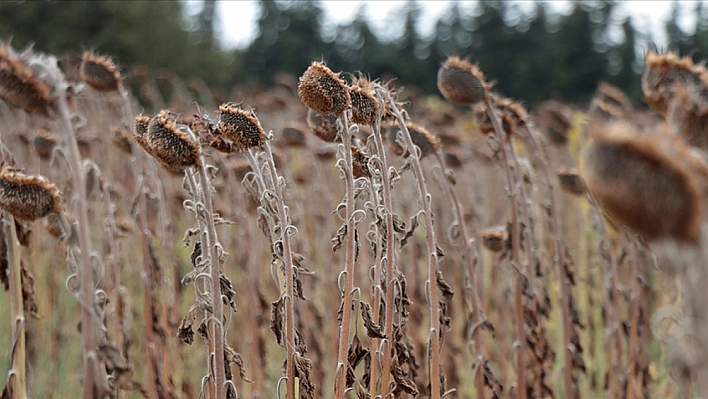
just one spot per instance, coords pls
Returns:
(512, 191)
(16, 387)
(177, 148)
(479, 321)
(385, 256)
(101, 74)
(424, 197)
(43, 89)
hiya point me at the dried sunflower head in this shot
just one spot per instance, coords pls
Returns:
(462, 82)
(170, 144)
(553, 122)
(44, 143)
(240, 126)
(100, 73)
(663, 72)
(293, 136)
(324, 91)
(23, 87)
(360, 163)
(27, 197)
(571, 182)
(323, 126)
(122, 139)
(647, 182)
(365, 106)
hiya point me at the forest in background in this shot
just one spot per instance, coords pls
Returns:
(532, 56)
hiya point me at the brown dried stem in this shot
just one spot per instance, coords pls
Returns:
(558, 261)
(387, 204)
(147, 274)
(273, 184)
(515, 258)
(469, 259)
(634, 297)
(89, 318)
(216, 331)
(17, 376)
(349, 261)
(425, 199)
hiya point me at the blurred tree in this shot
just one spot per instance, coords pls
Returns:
(289, 39)
(145, 32)
(678, 39)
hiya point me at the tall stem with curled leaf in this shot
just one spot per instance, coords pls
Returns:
(274, 185)
(89, 318)
(17, 376)
(559, 261)
(349, 259)
(388, 259)
(147, 262)
(515, 238)
(210, 247)
(470, 261)
(432, 290)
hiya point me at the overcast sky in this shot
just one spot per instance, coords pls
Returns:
(237, 19)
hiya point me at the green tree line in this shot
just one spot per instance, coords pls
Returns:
(532, 56)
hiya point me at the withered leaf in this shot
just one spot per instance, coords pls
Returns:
(227, 292)
(111, 357)
(373, 330)
(29, 300)
(338, 239)
(24, 233)
(185, 333)
(196, 253)
(403, 382)
(411, 228)
(193, 232)
(233, 357)
(277, 317)
(203, 330)
(491, 381)
(444, 287)
(356, 354)
(303, 371)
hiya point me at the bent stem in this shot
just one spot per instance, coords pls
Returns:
(425, 199)
(515, 258)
